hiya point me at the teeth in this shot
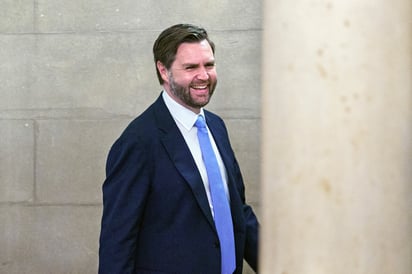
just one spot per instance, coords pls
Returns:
(199, 87)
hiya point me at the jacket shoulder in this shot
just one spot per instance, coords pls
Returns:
(145, 124)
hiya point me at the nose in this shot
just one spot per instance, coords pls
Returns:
(203, 74)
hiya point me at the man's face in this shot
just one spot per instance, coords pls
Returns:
(191, 80)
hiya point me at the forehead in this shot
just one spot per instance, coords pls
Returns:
(194, 52)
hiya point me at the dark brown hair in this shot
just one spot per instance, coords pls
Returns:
(166, 45)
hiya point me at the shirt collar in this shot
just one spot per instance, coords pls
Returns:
(183, 115)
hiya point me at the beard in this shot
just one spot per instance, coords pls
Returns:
(183, 93)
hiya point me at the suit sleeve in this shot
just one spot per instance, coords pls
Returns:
(252, 226)
(252, 233)
(124, 195)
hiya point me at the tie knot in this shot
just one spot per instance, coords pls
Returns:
(200, 122)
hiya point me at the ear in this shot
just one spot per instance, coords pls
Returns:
(163, 71)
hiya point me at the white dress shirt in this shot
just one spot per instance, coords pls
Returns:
(185, 120)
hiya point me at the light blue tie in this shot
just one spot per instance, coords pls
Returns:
(221, 208)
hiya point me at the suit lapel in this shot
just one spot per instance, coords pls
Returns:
(222, 142)
(178, 151)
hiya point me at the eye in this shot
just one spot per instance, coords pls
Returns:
(210, 65)
(190, 67)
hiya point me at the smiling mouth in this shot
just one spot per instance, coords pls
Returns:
(204, 86)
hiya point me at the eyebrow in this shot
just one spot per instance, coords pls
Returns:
(211, 62)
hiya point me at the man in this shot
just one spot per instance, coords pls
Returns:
(161, 213)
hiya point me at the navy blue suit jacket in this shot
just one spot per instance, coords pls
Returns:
(156, 216)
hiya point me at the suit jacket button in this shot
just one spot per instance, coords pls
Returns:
(216, 245)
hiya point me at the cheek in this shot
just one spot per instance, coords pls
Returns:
(184, 80)
(213, 76)
(212, 73)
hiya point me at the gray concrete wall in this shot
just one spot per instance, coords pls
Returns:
(72, 75)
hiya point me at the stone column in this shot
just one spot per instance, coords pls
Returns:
(337, 137)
